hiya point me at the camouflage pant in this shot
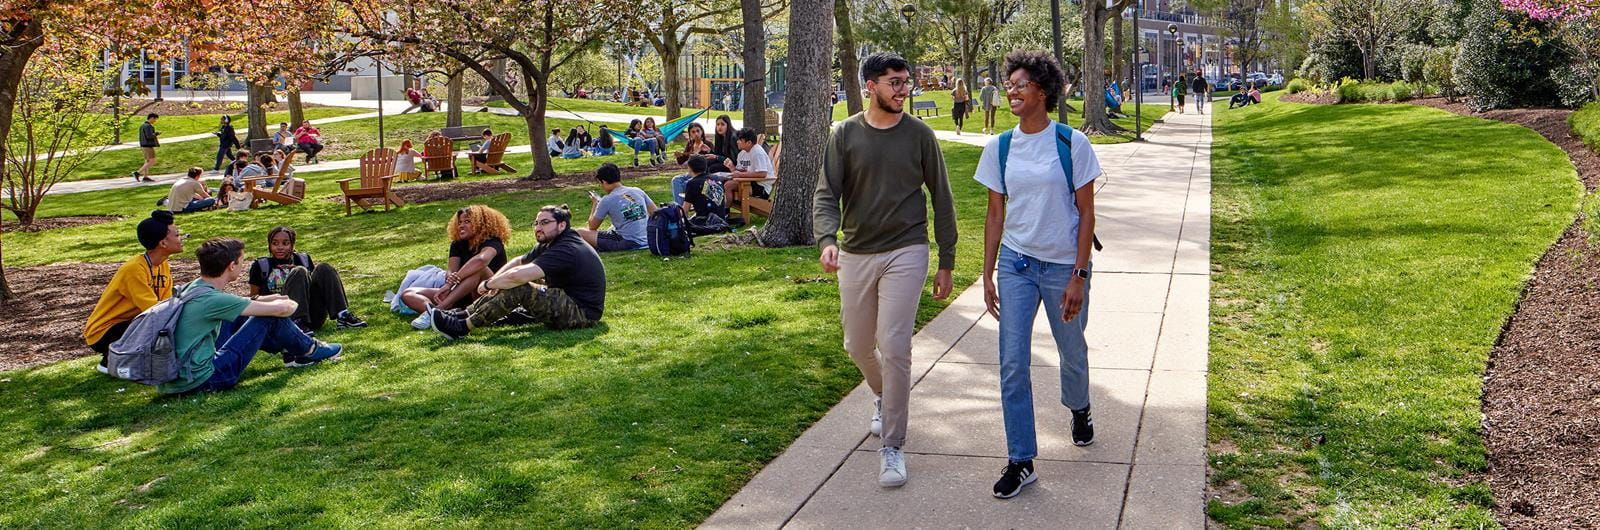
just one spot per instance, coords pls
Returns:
(549, 306)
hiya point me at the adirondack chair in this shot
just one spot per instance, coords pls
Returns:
(497, 152)
(374, 185)
(283, 191)
(739, 192)
(439, 157)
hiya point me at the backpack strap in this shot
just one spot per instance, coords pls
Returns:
(1005, 149)
(304, 260)
(1064, 152)
(266, 266)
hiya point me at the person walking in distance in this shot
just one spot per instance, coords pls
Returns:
(875, 168)
(148, 144)
(1038, 233)
(1201, 90)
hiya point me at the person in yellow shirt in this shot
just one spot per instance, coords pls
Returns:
(138, 284)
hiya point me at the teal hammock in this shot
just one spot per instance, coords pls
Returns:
(670, 129)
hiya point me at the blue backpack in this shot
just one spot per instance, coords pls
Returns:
(1063, 151)
(668, 233)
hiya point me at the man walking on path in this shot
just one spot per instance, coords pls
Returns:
(1201, 90)
(147, 143)
(875, 167)
(987, 97)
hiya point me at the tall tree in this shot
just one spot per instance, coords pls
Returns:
(1373, 26)
(1095, 14)
(755, 64)
(968, 25)
(669, 25)
(535, 37)
(849, 64)
(806, 122)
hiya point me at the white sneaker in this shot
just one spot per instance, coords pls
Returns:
(877, 418)
(892, 468)
(424, 321)
(102, 369)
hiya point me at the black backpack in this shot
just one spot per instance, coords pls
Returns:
(668, 233)
(708, 224)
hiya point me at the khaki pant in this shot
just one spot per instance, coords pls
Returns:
(878, 298)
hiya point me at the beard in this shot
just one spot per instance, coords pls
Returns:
(887, 104)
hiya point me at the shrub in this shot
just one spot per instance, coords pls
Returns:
(1401, 91)
(1575, 84)
(1586, 123)
(1438, 70)
(1298, 85)
(1412, 59)
(1506, 58)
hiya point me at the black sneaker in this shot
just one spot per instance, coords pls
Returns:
(449, 325)
(161, 202)
(305, 328)
(346, 320)
(136, 176)
(1082, 427)
(1013, 478)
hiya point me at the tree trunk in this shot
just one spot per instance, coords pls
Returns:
(1095, 120)
(807, 120)
(670, 80)
(297, 112)
(1116, 46)
(538, 92)
(849, 64)
(498, 67)
(457, 85)
(255, 110)
(5, 286)
(755, 64)
(17, 47)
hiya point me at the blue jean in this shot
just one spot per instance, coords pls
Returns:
(1021, 292)
(680, 184)
(645, 144)
(602, 151)
(199, 204)
(239, 340)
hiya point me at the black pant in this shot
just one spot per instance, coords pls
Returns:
(103, 346)
(224, 151)
(319, 293)
(310, 149)
(958, 112)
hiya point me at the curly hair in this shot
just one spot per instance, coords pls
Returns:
(1043, 70)
(486, 223)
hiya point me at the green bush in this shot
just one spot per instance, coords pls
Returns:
(1575, 84)
(1438, 71)
(1506, 59)
(1298, 85)
(1352, 91)
(1413, 57)
(1586, 123)
(1401, 91)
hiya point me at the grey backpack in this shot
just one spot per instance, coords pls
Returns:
(147, 352)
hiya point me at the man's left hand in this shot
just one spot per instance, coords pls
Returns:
(942, 284)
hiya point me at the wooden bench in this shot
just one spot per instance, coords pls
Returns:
(374, 186)
(739, 190)
(924, 106)
(262, 145)
(464, 133)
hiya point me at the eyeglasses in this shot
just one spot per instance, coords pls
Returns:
(543, 222)
(1018, 86)
(896, 84)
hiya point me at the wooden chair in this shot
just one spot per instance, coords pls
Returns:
(497, 151)
(739, 192)
(774, 126)
(374, 185)
(282, 191)
(439, 157)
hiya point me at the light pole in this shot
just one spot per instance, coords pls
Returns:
(1138, 76)
(907, 11)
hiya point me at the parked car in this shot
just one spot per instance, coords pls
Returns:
(1275, 79)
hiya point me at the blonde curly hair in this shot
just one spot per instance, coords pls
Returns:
(486, 223)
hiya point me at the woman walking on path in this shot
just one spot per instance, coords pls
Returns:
(962, 102)
(1179, 88)
(226, 142)
(1038, 232)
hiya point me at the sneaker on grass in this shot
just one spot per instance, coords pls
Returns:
(322, 352)
(1013, 478)
(449, 325)
(1082, 427)
(345, 320)
(424, 320)
(892, 467)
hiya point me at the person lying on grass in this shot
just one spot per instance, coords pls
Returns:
(561, 283)
(138, 284)
(218, 333)
(477, 250)
(315, 287)
(627, 207)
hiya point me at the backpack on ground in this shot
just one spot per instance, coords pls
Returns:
(708, 224)
(1063, 151)
(668, 233)
(147, 352)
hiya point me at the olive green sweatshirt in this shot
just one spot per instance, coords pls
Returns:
(878, 176)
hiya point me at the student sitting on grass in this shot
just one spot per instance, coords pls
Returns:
(627, 207)
(561, 283)
(405, 162)
(554, 143)
(579, 139)
(218, 333)
(477, 250)
(604, 145)
(189, 194)
(138, 284)
(704, 192)
(315, 288)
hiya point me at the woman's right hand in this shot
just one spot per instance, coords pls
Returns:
(991, 297)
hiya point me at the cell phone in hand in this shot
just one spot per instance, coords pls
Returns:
(594, 196)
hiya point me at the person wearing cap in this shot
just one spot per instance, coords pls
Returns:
(138, 284)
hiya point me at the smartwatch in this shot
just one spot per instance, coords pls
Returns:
(1081, 273)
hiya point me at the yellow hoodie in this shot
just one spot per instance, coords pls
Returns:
(134, 288)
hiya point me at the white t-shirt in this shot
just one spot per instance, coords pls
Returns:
(1037, 192)
(756, 159)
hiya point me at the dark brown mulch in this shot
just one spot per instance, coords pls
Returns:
(46, 324)
(1541, 393)
(52, 223)
(448, 191)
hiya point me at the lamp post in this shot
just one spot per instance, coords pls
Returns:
(1177, 44)
(907, 11)
(1138, 76)
(379, 64)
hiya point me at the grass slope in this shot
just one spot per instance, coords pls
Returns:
(704, 369)
(342, 140)
(1365, 257)
(172, 126)
(1004, 119)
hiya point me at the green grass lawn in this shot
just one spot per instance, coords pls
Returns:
(581, 106)
(342, 140)
(1365, 258)
(703, 369)
(175, 126)
(1004, 119)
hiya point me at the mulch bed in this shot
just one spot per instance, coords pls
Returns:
(1541, 394)
(448, 191)
(46, 324)
(52, 223)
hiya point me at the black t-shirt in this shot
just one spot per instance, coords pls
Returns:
(605, 141)
(706, 195)
(573, 266)
(270, 278)
(458, 249)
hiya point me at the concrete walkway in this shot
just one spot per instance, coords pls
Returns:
(1148, 345)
